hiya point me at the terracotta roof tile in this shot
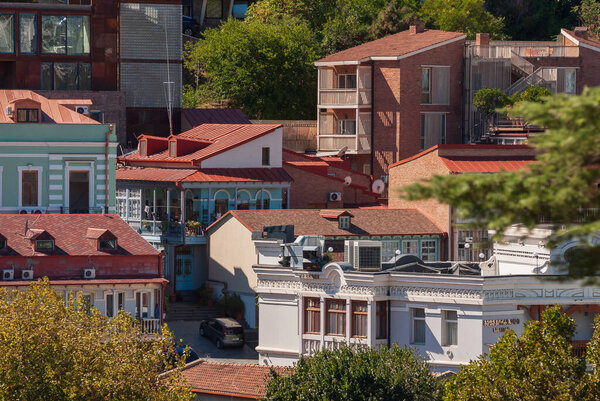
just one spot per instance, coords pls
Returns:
(484, 164)
(399, 44)
(156, 174)
(366, 222)
(229, 379)
(197, 117)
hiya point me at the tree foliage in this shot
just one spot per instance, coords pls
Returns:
(56, 350)
(265, 69)
(468, 16)
(396, 16)
(589, 15)
(356, 374)
(561, 186)
(488, 100)
(538, 365)
(531, 94)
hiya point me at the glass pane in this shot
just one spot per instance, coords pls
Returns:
(452, 334)
(451, 315)
(78, 34)
(110, 305)
(7, 33)
(419, 312)
(65, 76)
(570, 81)
(419, 335)
(351, 81)
(29, 188)
(54, 34)
(121, 300)
(27, 35)
(85, 77)
(240, 9)
(47, 76)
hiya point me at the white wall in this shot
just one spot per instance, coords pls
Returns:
(249, 155)
(278, 331)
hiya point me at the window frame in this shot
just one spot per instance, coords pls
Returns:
(53, 81)
(14, 34)
(342, 126)
(38, 249)
(344, 222)
(118, 302)
(20, 171)
(28, 110)
(338, 313)
(381, 318)
(427, 92)
(113, 240)
(3, 244)
(410, 241)
(446, 323)
(360, 319)
(266, 156)
(413, 326)
(66, 41)
(312, 316)
(344, 78)
(428, 247)
(441, 136)
(35, 33)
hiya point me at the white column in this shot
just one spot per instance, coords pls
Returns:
(348, 320)
(202, 12)
(168, 206)
(127, 205)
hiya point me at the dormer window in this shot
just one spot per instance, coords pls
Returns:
(173, 149)
(2, 244)
(107, 244)
(27, 115)
(44, 245)
(143, 147)
(344, 222)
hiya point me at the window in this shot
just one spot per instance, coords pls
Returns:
(369, 258)
(359, 319)
(27, 34)
(107, 244)
(570, 80)
(433, 129)
(97, 115)
(2, 244)
(142, 305)
(435, 85)
(312, 315)
(87, 301)
(266, 156)
(266, 203)
(66, 76)
(381, 308)
(27, 115)
(336, 317)
(346, 127)
(388, 250)
(240, 9)
(65, 34)
(142, 148)
(110, 303)
(426, 85)
(449, 327)
(7, 33)
(29, 188)
(410, 247)
(44, 245)
(347, 81)
(417, 322)
(173, 149)
(344, 222)
(428, 251)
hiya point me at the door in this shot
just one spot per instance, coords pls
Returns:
(142, 305)
(184, 268)
(79, 192)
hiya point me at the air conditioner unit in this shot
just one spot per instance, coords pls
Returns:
(27, 274)
(9, 111)
(82, 110)
(363, 255)
(89, 273)
(384, 178)
(468, 239)
(23, 211)
(8, 274)
(335, 196)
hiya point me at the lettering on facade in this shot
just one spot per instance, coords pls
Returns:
(308, 276)
(500, 322)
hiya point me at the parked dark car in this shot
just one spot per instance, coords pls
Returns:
(224, 331)
(191, 354)
(190, 26)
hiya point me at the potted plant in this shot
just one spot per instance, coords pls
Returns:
(192, 227)
(146, 224)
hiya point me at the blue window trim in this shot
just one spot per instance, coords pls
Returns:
(52, 65)
(14, 38)
(66, 16)
(34, 33)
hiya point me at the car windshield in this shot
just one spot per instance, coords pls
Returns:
(234, 330)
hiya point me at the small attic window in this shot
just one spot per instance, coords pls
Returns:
(27, 115)
(173, 149)
(344, 222)
(44, 245)
(2, 244)
(143, 148)
(107, 244)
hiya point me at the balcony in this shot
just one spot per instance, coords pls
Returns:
(150, 326)
(335, 134)
(579, 348)
(523, 49)
(344, 97)
(354, 143)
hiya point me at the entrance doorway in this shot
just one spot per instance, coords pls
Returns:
(79, 192)
(184, 268)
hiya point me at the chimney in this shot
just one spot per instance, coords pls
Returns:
(482, 39)
(581, 32)
(416, 27)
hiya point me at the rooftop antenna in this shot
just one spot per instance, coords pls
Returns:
(169, 85)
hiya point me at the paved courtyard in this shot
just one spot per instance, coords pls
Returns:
(188, 332)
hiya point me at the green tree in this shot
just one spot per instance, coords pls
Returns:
(589, 15)
(488, 100)
(264, 68)
(468, 16)
(561, 186)
(356, 374)
(538, 365)
(396, 16)
(531, 94)
(56, 350)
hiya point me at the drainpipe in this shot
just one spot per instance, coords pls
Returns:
(108, 133)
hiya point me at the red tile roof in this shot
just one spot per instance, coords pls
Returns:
(197, 117)
(458, 165)
(52, 111)
(229, 379)
(334, 214)
(223, 136)
(366, 222)
(156, 174)
(397, 45)
(70, 234)
(589, 42)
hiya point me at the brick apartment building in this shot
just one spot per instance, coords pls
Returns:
(113, 53)
(389, 99)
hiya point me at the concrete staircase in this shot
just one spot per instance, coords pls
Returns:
(190, 311)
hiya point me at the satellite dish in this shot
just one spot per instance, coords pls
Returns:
(378, 186)
(347, 181)
(342, 151)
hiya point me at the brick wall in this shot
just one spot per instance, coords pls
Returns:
(589, 75)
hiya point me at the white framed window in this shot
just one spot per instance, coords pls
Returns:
(115, 301)
(417, 325)
(143, 305)
(30, 186)
(344, 222)
(347, 81)
(388, 250)
(435, 84)
(426, 85)
(410, 247)
(433, 129)
(346, 127)
(449, 327)
(428, 250)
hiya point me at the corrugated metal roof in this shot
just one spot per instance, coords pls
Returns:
(157, 174)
